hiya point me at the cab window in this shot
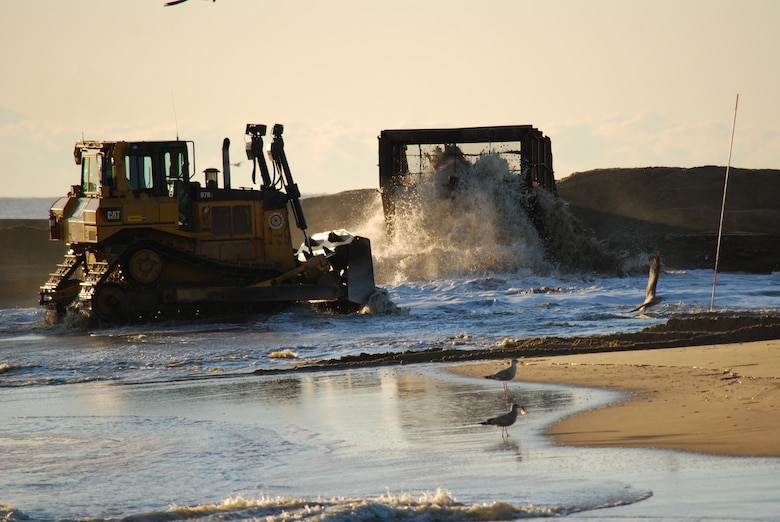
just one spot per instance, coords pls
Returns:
(175, 168)
(138, 170)
(90, 173)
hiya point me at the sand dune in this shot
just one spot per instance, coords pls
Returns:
(678, 211)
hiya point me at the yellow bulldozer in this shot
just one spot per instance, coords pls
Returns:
(145, 241)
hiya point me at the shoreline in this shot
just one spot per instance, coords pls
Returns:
(701, 384)
(675, 333)
(720, 399)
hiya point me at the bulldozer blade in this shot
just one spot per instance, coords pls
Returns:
(360, 271)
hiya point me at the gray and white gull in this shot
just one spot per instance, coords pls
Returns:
(505, 420)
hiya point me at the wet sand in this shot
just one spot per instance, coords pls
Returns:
(703, 384)
(719, 399)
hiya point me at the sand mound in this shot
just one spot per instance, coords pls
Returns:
(678, 211)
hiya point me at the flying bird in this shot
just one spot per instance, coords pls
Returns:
(507, 374)
(650, 298)
(175, 2)
(505, 420)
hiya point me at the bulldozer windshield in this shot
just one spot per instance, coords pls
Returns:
(95, 171)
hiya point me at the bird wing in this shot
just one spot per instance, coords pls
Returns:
(505, 374)
(174, 2)
(506, 419)
(501, 375)
(652, 280)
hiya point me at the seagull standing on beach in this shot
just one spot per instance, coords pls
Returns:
(505, 420)
(650, 298)
(507, 374)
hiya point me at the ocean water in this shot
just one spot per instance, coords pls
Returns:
(25, 208)
(170, 421)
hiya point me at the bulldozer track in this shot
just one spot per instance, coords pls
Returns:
(168, 251)
(127, 284)
(63, 272)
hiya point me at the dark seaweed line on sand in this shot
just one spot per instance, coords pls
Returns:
(674, 333)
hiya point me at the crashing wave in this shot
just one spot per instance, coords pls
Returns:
(466, 218)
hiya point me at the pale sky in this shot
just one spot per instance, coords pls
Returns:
(613, 83)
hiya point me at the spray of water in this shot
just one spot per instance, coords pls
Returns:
(466, 218)
(381, 303)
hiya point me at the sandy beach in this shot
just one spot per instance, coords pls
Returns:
(720, 399)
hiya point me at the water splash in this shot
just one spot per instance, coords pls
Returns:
(380, 303)
(471, 219)
(78, 317)
(283, 354)
(9, 513)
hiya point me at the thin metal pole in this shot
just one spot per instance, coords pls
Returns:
(723, 206)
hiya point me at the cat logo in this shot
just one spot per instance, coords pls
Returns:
(113, 214)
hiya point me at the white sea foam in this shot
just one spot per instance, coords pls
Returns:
(479, 225)
(380, 303)
(439, 505)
